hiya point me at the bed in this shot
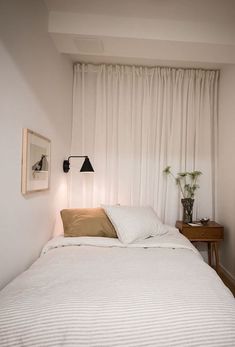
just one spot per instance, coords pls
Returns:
(97, 291)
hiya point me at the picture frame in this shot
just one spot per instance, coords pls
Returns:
(36, 162)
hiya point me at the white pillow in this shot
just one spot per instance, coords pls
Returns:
(132, 223)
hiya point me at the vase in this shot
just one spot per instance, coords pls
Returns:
(187, 210)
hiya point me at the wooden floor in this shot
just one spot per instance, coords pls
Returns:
(228, 281)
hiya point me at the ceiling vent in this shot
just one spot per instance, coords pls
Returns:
(88, 45)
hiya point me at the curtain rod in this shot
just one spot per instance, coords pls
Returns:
(148, 66)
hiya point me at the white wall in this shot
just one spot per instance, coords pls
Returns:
(35, 92)
(226, 166)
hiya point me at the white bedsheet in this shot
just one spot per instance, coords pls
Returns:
(98, 292)
(170, 239)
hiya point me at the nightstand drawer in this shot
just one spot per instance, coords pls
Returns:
(210, 232)
(201, 233)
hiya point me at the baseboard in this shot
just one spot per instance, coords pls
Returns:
(228, 280)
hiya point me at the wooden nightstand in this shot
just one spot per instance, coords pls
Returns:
(212, 233)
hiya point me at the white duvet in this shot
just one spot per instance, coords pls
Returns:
(98, 292)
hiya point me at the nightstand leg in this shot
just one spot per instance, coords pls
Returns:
(209, 252)
(216, 256)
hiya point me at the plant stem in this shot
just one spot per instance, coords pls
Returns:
(182, 192)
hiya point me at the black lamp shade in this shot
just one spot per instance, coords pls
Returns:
(86, 166)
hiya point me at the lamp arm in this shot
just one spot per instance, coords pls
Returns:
(77, 156)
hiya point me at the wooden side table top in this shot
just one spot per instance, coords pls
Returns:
(209, 232)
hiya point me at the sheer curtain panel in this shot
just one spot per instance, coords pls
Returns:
(134, 121)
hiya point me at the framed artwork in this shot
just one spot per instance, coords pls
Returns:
(36, 162)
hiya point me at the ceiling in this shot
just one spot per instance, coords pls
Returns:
(164, 32)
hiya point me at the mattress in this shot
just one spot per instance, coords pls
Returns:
(98, 292)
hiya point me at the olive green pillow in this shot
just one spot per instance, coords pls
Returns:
(87, 222)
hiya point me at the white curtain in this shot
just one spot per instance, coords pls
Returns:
(134, 121)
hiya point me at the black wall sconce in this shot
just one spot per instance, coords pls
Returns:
(86, 166)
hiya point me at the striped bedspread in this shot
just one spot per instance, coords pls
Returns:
(98, 292)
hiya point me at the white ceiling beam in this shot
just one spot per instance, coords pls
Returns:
(146, 38)
(142, 28)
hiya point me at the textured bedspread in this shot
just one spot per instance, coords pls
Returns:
(86, 292)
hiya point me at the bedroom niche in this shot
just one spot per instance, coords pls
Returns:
(121, 274)
(140, 119)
